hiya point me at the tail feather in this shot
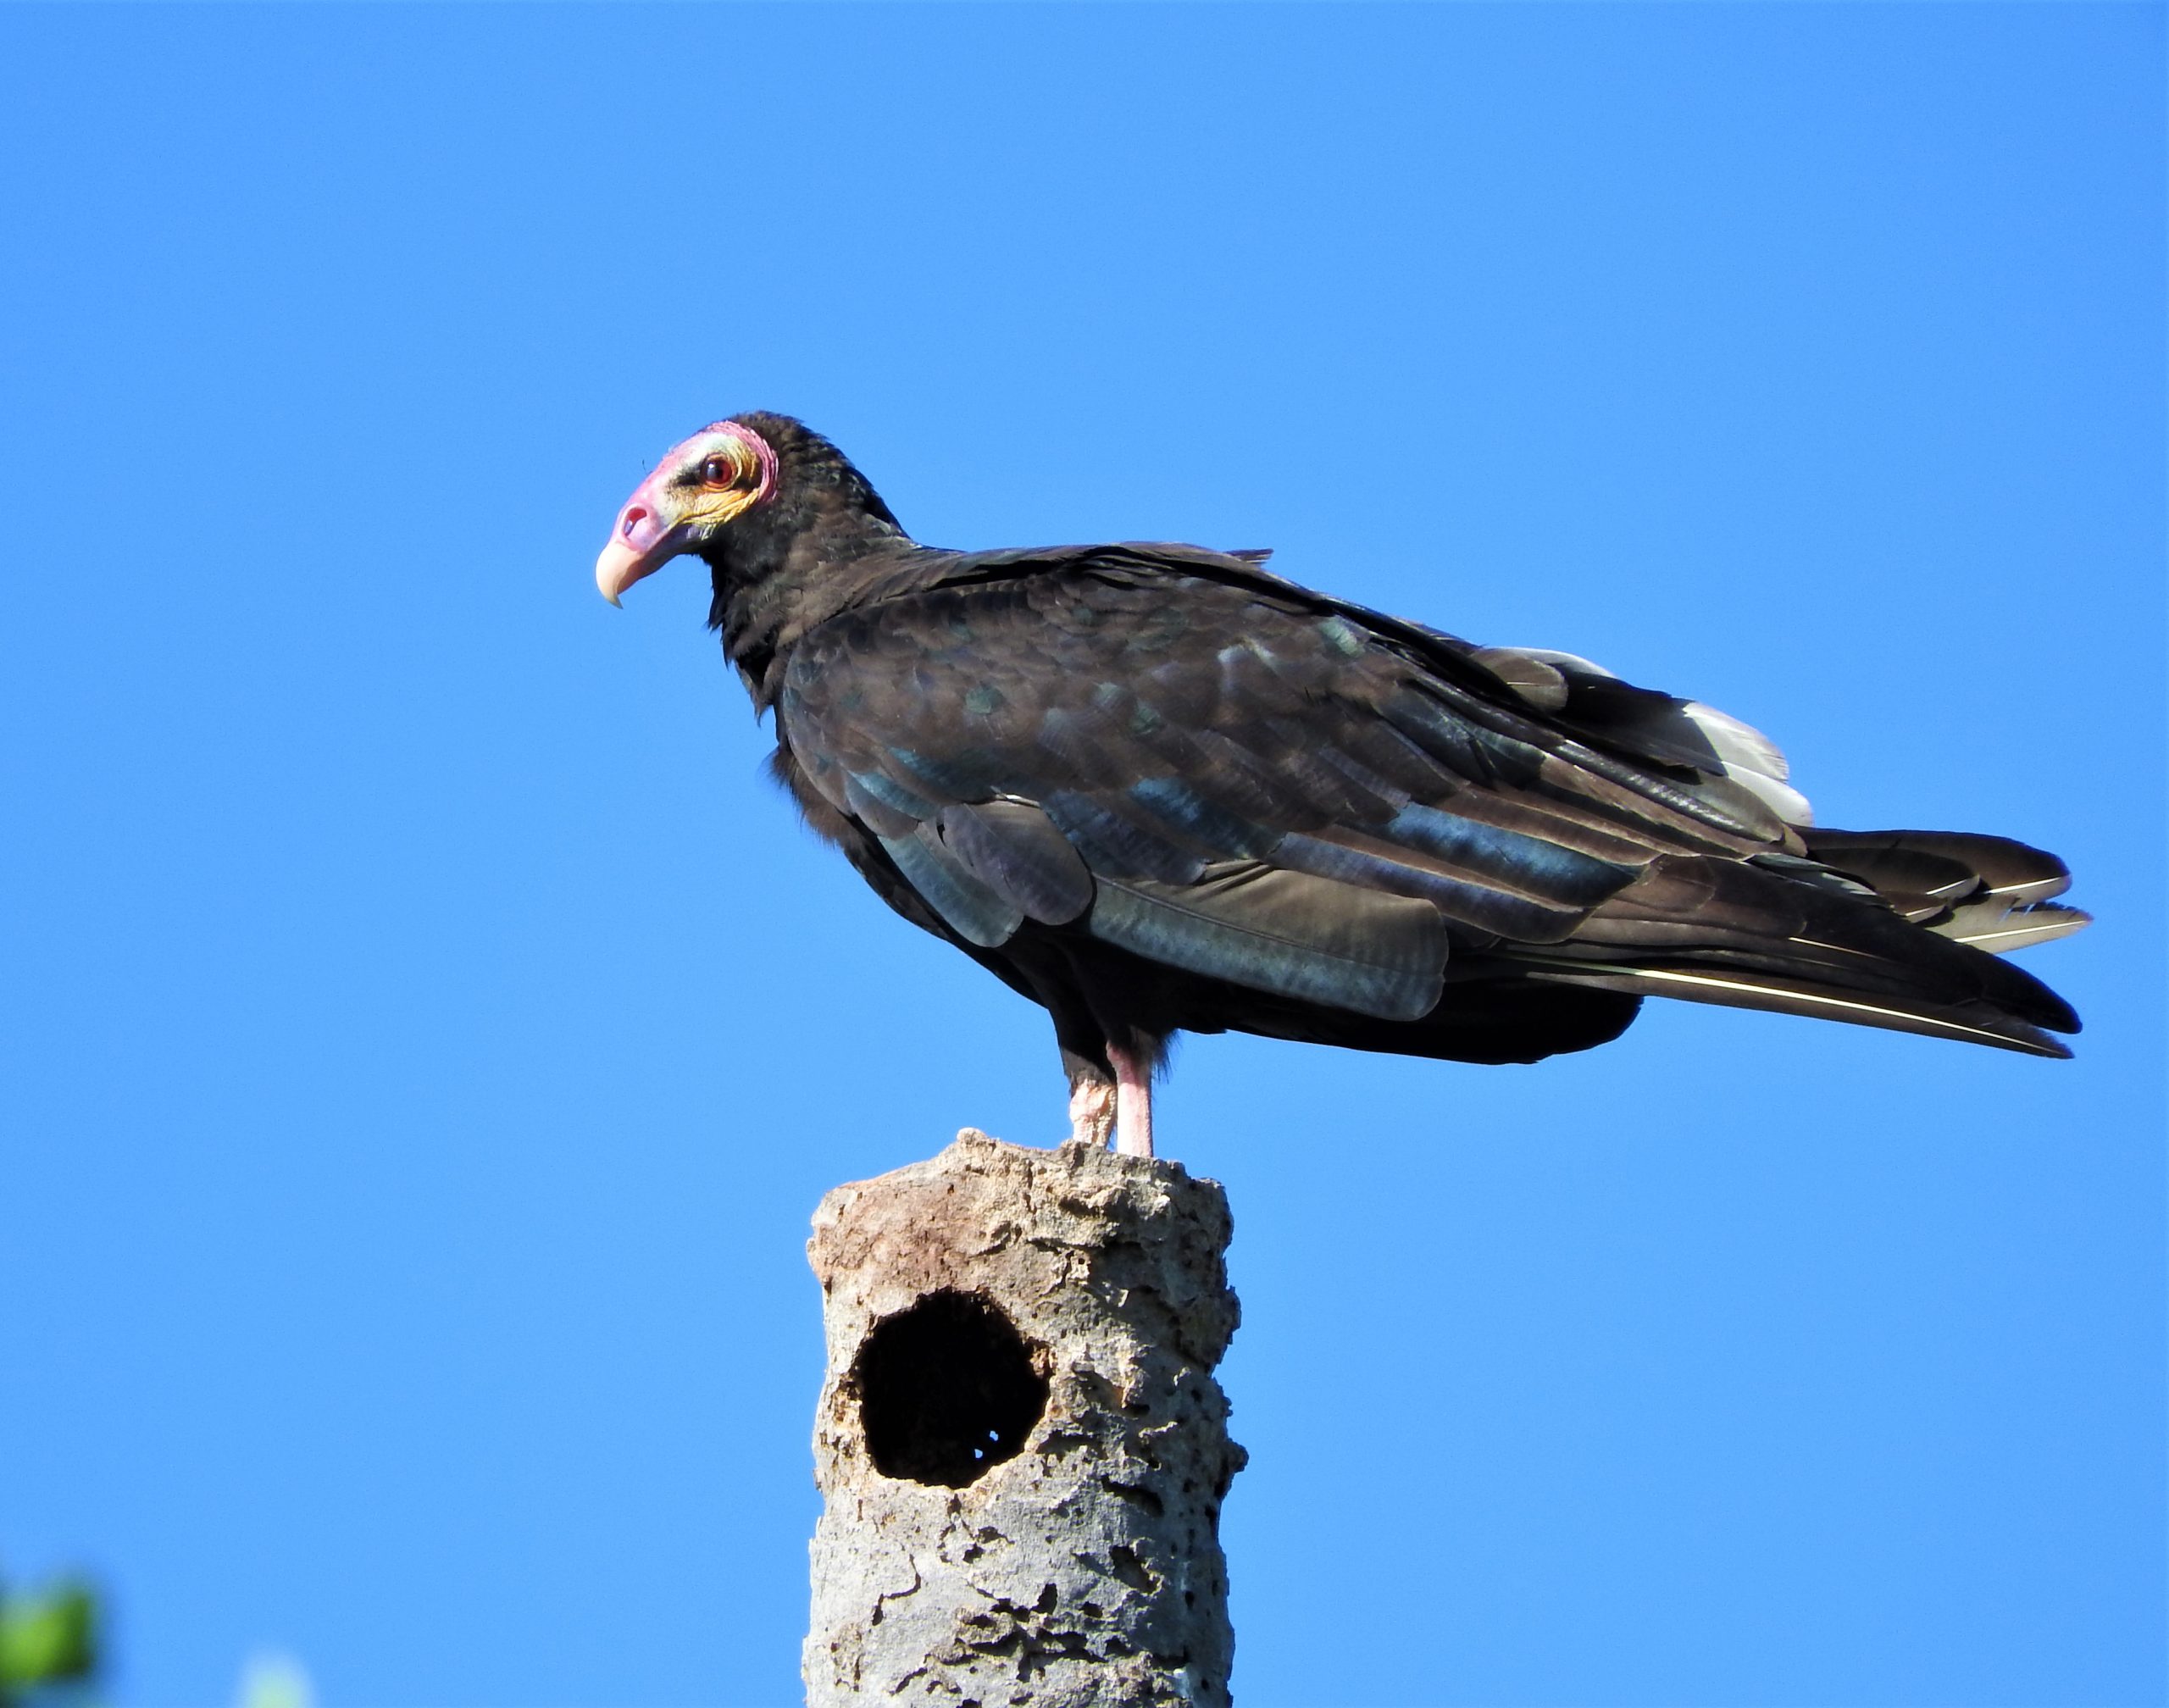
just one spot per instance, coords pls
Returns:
(1998, 929)
(1899, 929)
(1988, 891)
(1966, 1023)
(2013, 871)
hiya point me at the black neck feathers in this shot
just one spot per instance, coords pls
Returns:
(802, 557)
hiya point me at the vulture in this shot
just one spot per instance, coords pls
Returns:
(1156, 788)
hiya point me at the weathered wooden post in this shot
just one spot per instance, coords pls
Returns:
(1020, 1442)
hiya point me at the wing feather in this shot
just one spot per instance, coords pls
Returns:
(1284, 932)
(1178, 754)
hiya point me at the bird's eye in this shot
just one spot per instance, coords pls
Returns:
(718, 471)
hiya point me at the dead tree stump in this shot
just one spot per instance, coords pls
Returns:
(1020, 1443)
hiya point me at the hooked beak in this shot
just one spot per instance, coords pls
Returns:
(641, 544)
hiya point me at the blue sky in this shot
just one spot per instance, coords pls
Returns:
(426, 1035)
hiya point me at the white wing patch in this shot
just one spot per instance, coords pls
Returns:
(1752, 760)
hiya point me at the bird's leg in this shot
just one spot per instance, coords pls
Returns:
(1091, 1112)
(1110, 1083)
(1132, 1099)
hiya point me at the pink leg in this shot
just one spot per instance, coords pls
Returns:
(1133, 1102)
(1091, 1112)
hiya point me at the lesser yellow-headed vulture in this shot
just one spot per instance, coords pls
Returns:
(1157, 789)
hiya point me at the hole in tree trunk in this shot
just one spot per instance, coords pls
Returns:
(946, 1389)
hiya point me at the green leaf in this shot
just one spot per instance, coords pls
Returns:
(47, 1639)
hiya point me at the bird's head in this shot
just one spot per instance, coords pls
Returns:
(736, 490)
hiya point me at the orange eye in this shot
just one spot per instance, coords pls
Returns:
(718, 471)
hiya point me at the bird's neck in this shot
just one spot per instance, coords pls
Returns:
(772, 584)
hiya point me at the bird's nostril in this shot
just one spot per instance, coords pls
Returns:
(632, 517)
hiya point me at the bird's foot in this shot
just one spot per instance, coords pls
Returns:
(1091, 1113)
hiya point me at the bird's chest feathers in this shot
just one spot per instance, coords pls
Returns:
(823, 816)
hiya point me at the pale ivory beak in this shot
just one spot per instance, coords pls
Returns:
(641, 544)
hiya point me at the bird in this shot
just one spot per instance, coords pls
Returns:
(1158, 789)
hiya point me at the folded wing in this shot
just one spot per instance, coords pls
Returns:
(1358, 822)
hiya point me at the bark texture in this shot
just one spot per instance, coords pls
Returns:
(1021, 1444)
